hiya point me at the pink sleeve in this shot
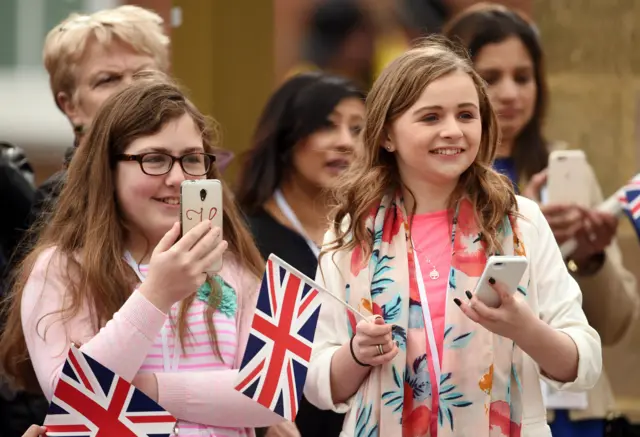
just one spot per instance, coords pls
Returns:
(247, 300)
(210, 397)
(121, 345)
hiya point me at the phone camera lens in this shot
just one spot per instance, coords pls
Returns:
(203, 194)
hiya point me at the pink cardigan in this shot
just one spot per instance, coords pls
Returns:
(206, 397)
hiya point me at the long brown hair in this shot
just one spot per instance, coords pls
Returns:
(376, 174)
(88, 229)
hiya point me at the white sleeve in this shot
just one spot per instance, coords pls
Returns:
(560, 305)
(331, 333)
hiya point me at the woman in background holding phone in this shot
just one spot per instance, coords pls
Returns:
(416, 218)
(506, 52)
(110, 272)
(305, 138)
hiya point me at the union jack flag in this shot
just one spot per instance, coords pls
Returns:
(274, 366)
(92, 401)
(630, 201)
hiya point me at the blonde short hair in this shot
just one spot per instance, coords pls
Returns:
(66, 43)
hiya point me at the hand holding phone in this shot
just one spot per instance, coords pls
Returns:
(496, 304)
(177, 267)
(507, 270)
(201, 200)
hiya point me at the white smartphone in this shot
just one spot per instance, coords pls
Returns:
(505, 269)
(568, 177)
(201, 199)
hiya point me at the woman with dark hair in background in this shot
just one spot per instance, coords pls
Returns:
(305, 138)
(506, 51)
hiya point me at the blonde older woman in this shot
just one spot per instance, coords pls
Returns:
(90, 57)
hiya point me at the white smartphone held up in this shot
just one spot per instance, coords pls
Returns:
(507, 270)
(201, 199)
(568, 177)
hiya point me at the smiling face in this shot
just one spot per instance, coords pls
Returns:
(100, 73)
(438, 137)
(151, 204)
(321, 157)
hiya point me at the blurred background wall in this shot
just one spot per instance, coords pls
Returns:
(593, 66)
(593, 69)
(230, 55)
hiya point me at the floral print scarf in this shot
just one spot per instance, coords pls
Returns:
(480, 393)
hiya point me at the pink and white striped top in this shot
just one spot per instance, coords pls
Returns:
(199, 391)
(198, 355)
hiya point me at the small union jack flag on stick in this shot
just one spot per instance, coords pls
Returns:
(92, 401)
(274, 366)
(630, 201)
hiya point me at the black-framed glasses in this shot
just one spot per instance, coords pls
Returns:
(159, 163)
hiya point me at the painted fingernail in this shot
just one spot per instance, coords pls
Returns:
(457, 301)
(397, 343)
(492, 281)
(468, 293)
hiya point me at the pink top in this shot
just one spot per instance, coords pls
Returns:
(432, 239)
(199, 391)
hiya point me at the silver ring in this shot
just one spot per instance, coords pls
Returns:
(380, 350)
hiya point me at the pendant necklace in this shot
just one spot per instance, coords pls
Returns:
(434, 274)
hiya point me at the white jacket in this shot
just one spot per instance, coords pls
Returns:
(552, 294)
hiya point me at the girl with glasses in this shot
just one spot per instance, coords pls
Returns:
(111, 274)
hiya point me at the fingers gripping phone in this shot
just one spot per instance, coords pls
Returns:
(507, 270)
(200, 200)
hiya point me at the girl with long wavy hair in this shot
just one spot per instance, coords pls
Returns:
(111, 274)
(416, 219)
